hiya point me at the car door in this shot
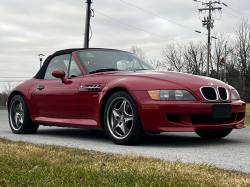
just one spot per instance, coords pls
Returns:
(54, 98)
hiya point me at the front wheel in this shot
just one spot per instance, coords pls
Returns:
(122, 121)
(213, 134)
(19, 117)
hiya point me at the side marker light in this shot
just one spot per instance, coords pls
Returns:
(150, 107)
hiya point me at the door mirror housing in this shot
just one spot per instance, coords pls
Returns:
(59, 74)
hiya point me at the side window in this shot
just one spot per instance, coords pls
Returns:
(74, 70)
(59, 62)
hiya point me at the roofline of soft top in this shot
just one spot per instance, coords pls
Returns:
(40, 74)
(69, 51)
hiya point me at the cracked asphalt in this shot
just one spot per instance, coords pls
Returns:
(232, 152)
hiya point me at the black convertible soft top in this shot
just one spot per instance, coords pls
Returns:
(40, 74)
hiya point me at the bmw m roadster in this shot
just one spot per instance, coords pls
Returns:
(116, 91)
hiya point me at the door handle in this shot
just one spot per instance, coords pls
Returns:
(40, 87)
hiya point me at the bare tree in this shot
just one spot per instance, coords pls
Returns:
(194, 57)
(138, 52)
(4, 95)
(243, 44)
(189, 58)
(173, 56)
(158, 64)
(241, 58)
(220, 50)
(8, 87)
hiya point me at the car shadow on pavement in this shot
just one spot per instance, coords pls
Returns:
(74, 133)
(177, 140)
(163, 140)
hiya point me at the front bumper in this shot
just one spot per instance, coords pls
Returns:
(184, 116)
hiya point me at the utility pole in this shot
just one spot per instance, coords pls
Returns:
(225, 60)
(87, 24)
(209, 24)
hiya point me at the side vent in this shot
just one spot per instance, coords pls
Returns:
(93, 87)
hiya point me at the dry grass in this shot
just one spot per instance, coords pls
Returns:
(247, 119)
(24, 164)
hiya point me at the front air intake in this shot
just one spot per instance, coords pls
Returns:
(209, 93)
(223, 93)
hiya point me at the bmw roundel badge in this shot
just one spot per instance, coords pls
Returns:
(211, 84)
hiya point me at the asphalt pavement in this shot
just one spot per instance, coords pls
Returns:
(3, 107)
(232, 152)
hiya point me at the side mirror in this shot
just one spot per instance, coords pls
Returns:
(59, 74)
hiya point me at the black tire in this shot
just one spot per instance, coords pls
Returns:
(122, 121)
(213, 134)
(19, 117)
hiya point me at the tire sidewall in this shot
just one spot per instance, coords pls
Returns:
(136, 123)
(26, 113)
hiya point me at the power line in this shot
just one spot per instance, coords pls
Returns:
(137, 27)
(160, 16)
(12, 81)
(239, 12)
(18, 71)
(232, 14)
(13, 61)
(15, 77)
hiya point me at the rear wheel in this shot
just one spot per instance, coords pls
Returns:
(213, 134)
(19, 117)
(122, 121)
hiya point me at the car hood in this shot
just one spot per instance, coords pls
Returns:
(183, 79)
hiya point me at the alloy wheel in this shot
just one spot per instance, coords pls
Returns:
(120, 117)
(17, 114)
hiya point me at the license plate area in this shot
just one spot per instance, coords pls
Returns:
(221, 111)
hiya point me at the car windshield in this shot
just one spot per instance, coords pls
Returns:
(110, 60)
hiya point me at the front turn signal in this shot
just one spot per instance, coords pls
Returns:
(154, 94)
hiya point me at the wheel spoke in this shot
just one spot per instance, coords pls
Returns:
(124, 128)
(16, 109)
(115, 124)
(115, 114)
(16, 117)
(122, 108)
(21, 108)
(21, 119)
(128, 117)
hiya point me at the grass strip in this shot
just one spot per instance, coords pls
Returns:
(25, 164)
(247, 119)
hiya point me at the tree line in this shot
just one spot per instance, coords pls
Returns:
(4, 95)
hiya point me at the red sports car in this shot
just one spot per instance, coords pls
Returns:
(116, 91)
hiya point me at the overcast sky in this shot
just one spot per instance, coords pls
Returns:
(31, 27)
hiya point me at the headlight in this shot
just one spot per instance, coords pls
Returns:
(235, 95)
(171, 95)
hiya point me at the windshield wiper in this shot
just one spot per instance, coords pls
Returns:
(103, 70)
